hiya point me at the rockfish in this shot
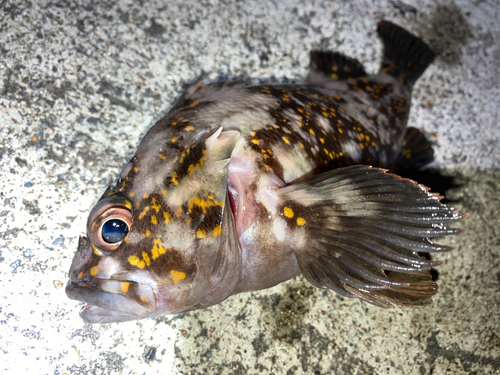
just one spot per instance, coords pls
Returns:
(241, 187)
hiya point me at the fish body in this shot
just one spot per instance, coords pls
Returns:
(240, 187)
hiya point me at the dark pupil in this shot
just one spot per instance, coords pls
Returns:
(114, 231)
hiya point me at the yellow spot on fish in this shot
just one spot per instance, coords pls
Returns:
(135, 261)
(288, 212)
(285, 139)
(174, 123)
(144, 212)
(93, 270)
(174, 178)
(374, 144)
(156, 206)
(124, 286)
(162, 157)
(177, 276)
(200, 233)
(201, 203)
(325, 114)
(145, 196)
(154, 252)
(189, 128)
(266, 91)
(80, 275)
(300, 110)
(300, 221)
(322, 140)
(154, 220)
(145, 256)
(157, 249)
(166, 216)
(164, 192)
(217, 230)
(128, 205)
(334, 76)
(137, 204)
(301, 145)
(312, 132)
(161, 249)
(256, 141)
(144, 299)
(341, 131)
(131, 194)
(136, 169)
(148, 233)
(191, 169)
(174, 139)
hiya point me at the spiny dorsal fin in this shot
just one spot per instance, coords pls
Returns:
(335, 65)
(405, 55)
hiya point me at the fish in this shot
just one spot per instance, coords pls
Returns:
(241, 186)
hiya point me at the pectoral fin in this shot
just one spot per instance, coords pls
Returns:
(365, 232)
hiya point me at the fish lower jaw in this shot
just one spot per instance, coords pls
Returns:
(108, 301)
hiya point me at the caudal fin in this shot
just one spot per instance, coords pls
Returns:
(405, 55)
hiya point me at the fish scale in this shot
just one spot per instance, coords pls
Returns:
(240, 187)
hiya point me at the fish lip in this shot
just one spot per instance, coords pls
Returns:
(93, 296)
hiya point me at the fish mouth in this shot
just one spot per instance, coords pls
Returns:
(111, 301)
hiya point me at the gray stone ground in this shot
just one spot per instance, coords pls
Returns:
(81, 81)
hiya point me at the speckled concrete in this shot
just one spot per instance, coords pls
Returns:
(80, 83)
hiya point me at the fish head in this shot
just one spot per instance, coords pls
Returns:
(162, 241)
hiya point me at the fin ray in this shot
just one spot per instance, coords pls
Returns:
(366, 230)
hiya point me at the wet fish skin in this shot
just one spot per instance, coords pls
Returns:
(240, 187)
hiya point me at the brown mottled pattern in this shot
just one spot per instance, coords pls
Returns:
(308, 104)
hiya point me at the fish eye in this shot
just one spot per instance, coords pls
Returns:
(114, 231)
(109, 223)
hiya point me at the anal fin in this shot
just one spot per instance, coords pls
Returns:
(416, 152)
(365, 230)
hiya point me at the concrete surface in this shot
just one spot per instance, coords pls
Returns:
(81, 81)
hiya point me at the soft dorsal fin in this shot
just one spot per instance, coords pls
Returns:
(405, 55)
(335, 65)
